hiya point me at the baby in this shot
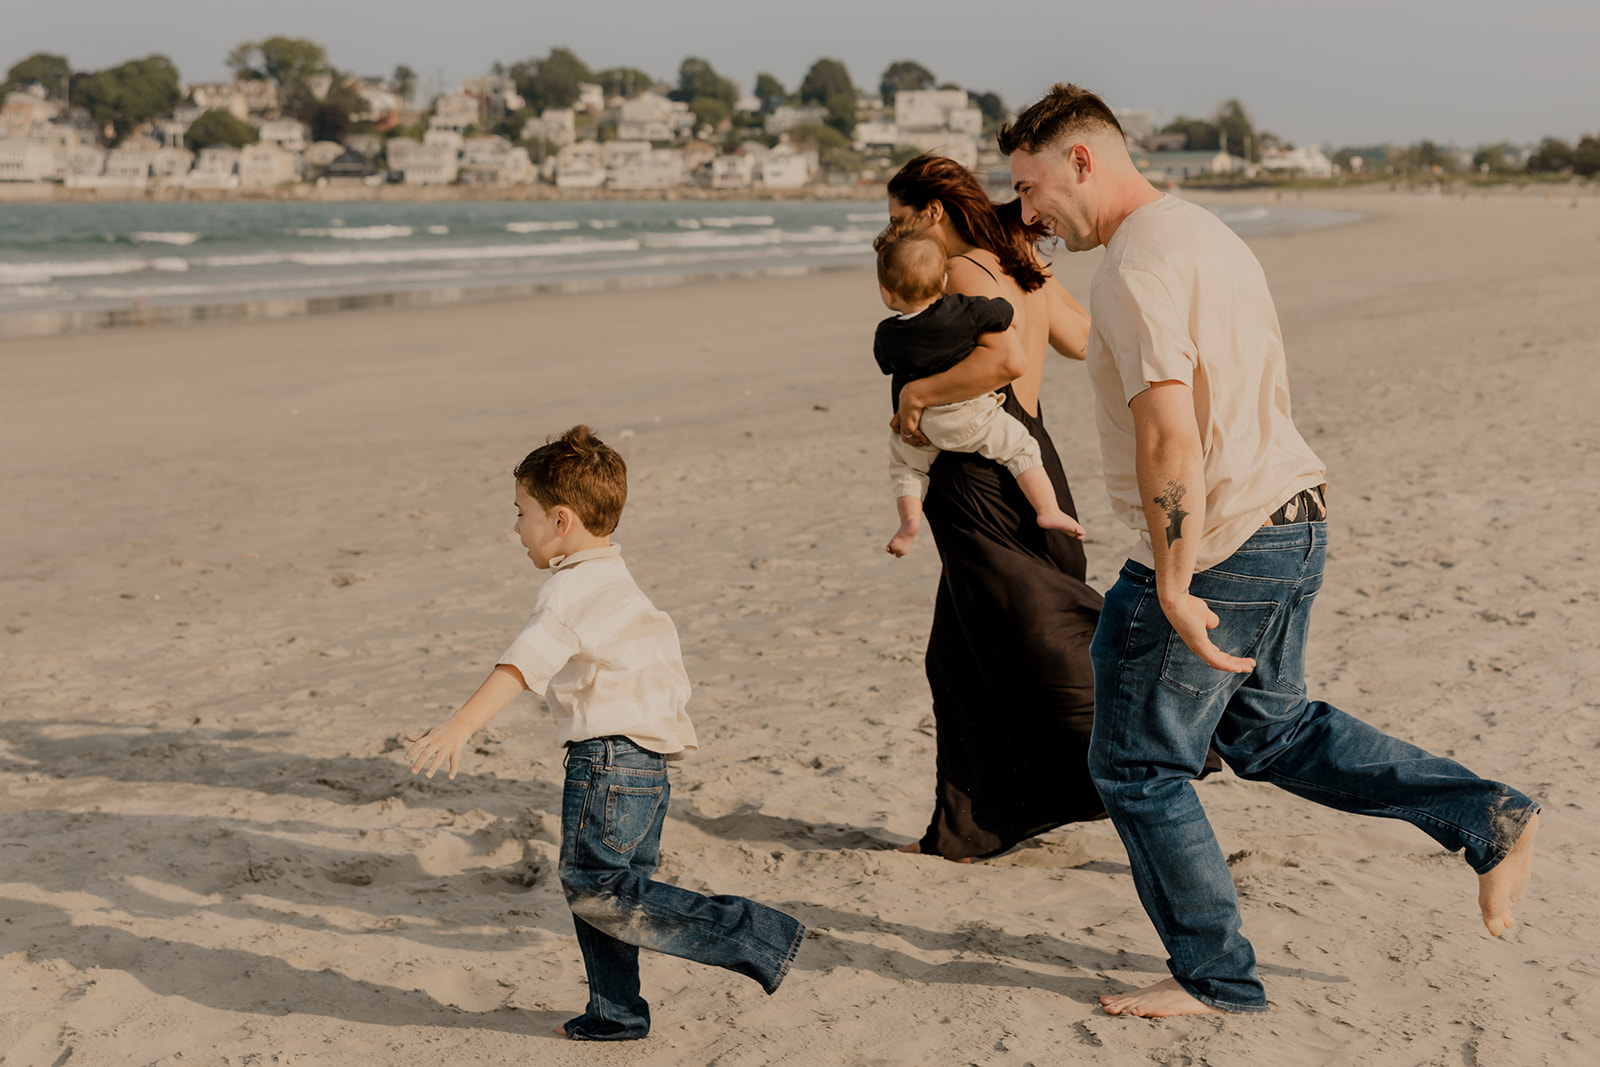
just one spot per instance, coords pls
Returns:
(932, 333)
(608, 665)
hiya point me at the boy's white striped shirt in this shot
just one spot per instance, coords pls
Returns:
(606, 659)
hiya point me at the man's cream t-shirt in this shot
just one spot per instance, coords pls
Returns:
(1179, 297)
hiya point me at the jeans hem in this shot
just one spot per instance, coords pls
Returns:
(788, 960)
(1500, 854)
(1220, 1005)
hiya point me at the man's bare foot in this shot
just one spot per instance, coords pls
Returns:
(900, 543)
(1156, 1002)
(1501, 889)
(1060, 520)
(562, 1030)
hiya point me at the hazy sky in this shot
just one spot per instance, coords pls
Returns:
(1344, 72)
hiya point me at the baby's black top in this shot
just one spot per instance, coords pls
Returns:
(933, 341)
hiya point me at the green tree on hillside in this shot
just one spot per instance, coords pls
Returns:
(1554, 156)
(124, 96)
(828, 83)
(50, 71)
(551, 81)
(219, 127)
(698, 80)
(1586, 157)
(1199, 134)
(404, 81)
(623, 81)
(771, 93)
(1234, 126)
(904, 74)
(291, 62)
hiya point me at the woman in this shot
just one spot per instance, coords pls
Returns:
(1008, 654)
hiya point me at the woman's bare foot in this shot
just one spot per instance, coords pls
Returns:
(915, 848)
(1060, 520)
(1501, 889)
(1156, 1002)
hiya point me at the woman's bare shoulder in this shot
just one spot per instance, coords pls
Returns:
(976, 273)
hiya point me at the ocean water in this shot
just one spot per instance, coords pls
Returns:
(76, 257)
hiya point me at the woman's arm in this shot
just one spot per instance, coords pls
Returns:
(1069, 322)
(997, 360)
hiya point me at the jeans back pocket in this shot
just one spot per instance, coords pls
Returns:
(1239, 628)
(630, 813)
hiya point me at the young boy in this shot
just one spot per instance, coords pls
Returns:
(608, 664)
(932, 333)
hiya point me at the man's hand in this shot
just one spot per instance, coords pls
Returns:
(1192, 619)
(442, 744)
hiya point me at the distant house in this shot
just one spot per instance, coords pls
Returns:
(216, 167)
(351, 166)
(785, 167)
(420, 164)
(945, 121)
(1137, 124)
(1307, 161)
(733, 171)
(25, 160)
(652, 117)
(456, 112)
(579, 166)
(1166, 168)
(171, 165)
(591, 98)
(129, 166)
(557, 125)
(26, 111)
(291, 135)
(636, 166)
(494, 160)
(223, 96)
(319, 155)
(265, 165)
(786, 118)
(496, 93)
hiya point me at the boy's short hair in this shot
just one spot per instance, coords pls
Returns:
(1065, 110)
(911, 262)
(579, 470)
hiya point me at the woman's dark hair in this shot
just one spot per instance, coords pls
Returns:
(1000, 231)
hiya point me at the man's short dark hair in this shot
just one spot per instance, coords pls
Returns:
(1065, 110)
(579, 470)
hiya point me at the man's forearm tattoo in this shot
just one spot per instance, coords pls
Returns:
(1169, 502)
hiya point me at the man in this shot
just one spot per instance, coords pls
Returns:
(1202, 639)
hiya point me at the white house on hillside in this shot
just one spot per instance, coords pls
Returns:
(652, 117)
(1308, 161)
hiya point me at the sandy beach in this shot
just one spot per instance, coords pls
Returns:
(241, 560)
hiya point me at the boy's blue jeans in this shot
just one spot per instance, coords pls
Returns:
(1158, 706)
(611, 814)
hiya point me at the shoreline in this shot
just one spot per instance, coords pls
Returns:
(55, 193)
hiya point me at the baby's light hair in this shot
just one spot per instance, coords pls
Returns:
(911, 262)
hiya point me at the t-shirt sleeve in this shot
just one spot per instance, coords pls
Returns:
(1150, 342)
(542, 648)
(992, 314)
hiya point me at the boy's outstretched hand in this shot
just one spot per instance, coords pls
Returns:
(443, 743)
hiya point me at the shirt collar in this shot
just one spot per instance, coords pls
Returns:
(603, 552)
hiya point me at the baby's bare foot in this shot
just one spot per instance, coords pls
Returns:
(1501, 889)
(1060, 520)
(900, 543)
(1156, 1002)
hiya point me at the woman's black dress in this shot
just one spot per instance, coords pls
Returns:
(1008, 657)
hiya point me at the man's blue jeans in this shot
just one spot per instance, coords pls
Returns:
(1158, 706)
(612, 810)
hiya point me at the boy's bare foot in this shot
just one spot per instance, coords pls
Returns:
(1501, 889)
(1156, 1002)
(1060, 520)
(900, 543)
